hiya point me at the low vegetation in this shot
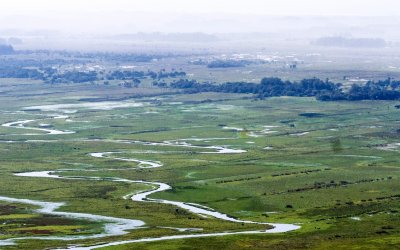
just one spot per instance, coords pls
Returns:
(331, 167)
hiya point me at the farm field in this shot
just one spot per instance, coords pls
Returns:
(81, 169)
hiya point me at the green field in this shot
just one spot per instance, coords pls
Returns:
(331, 167)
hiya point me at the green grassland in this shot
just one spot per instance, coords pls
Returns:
(326, 167)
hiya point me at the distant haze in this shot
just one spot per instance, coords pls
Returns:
(268, 7)
(47, 20)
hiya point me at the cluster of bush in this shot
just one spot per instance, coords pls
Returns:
(126, 74)
(228, 63)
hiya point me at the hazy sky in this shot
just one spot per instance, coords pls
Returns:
(107, 17)
(276, 7)
(66, 22)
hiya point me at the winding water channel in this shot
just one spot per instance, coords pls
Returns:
(119, 226)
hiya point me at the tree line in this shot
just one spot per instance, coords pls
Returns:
(323, 90)
(53, 76)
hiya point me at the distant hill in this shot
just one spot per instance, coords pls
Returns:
(338, 41)
(6, 49)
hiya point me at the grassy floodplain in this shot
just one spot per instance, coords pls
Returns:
(331, 167)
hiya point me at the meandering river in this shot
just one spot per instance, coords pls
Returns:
(118, 226)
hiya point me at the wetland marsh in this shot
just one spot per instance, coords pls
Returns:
(129, 178)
